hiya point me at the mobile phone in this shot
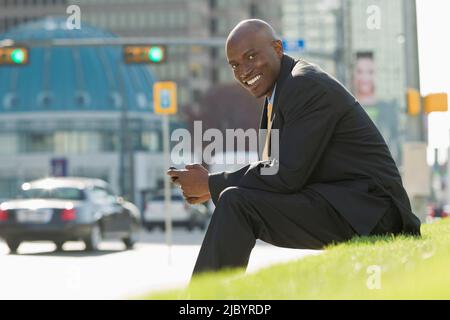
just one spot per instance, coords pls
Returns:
(173, 168)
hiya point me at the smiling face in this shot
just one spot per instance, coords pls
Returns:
(255, 57)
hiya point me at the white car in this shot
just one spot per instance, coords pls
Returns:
(182, 214)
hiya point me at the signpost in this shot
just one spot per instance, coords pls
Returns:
(165, 104)
(293, 45)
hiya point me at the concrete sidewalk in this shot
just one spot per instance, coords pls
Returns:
(177, 272)
(113, 273)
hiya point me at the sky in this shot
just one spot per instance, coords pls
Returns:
(433, 24)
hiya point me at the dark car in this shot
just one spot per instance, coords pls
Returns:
(436, 212)
(68, 209)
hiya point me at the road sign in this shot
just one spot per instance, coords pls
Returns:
(295, 45)
(165, 97)
(165, 103)
(59, 167)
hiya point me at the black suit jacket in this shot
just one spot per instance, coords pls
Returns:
(327, 143)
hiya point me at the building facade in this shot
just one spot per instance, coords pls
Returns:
(362, 43)
(194, 68)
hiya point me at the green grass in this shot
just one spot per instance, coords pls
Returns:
(410, 268)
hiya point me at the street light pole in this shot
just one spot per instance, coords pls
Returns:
(126, 152)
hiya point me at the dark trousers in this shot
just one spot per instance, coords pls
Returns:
(301, 221)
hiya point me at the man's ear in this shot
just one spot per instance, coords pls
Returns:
(278, 46)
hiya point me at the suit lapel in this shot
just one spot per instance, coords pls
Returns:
(287, 64)
(263, 117)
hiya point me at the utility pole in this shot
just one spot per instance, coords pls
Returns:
(126, 149)
(343, 51)
(415, 147)
(416, 129)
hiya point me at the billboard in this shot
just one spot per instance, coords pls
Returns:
(383, 112)
(364, 79)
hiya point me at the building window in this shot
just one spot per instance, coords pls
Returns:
(77, 142)
(150, 141)
(8, 143)
(213, 26)
(8, 188)
(254, 10)
(31, 142)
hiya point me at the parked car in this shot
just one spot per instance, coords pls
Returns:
(438, 211)
(182, 214)
(68, 209)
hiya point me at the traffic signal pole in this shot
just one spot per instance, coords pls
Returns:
(416, 128)
(120, 41)
(416, 172)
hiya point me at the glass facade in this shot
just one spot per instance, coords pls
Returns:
(75, 142)
(314, 22)
(384, 44)
(369, 60)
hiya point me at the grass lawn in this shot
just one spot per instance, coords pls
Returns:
(364, 268)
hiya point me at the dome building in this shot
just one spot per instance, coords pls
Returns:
(77, 111)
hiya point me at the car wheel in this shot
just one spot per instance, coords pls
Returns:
(59, 245)
(132, 238)
(13, 245)
(92, 242)
(190, 225)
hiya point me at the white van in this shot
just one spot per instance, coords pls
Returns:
(182, 213)
(230, 161)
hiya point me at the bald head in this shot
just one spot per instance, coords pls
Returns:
(250, 27)
(254, 52)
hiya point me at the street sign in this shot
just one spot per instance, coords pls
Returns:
(59, 167)
(295, 45)
(165, 104)
(165, 97)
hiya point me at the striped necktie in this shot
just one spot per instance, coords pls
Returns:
(265, 155)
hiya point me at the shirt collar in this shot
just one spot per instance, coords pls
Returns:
(272, 97)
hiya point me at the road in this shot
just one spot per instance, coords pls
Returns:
(38, 272)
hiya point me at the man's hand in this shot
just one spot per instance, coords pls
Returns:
(197, 200)
(193, 181)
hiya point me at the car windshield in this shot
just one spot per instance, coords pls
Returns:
(55, 193)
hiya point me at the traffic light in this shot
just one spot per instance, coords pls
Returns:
(436, 102)
(14, 55)
(413, 101)
(154, 54)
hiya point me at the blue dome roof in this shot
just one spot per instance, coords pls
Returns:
(72, 78)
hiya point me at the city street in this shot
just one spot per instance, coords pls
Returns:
(299, 122)
(38, 272)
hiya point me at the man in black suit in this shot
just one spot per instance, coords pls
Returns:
(335, 176)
